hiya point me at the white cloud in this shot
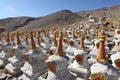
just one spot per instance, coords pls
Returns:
(11, 9)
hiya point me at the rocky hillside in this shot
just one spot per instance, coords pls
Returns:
(113, 11)
(30, 23)
(14, 23)
(58, 18)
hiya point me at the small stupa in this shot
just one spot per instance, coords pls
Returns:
(6, 50)
(57, 65)
(70, 50)
(16, 61)
(80, 66)
(34, 64)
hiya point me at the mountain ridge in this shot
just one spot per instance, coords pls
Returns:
(57, 18)
(113, 11)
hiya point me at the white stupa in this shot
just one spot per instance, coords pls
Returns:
(17, 60)
(93, 52)
(34, 65)
(70, 50)
(102, 70)
(6, 51)
(115, 47)
(87, 41)
(54, 43)
(91, 19)
(80, 66)
(82, 47)
(57, 66)
(117, 34)
(45, 41)
(116, 58)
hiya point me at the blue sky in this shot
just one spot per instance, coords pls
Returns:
(37, 8)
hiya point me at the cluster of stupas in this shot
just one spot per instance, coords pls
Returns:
(74, 52)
